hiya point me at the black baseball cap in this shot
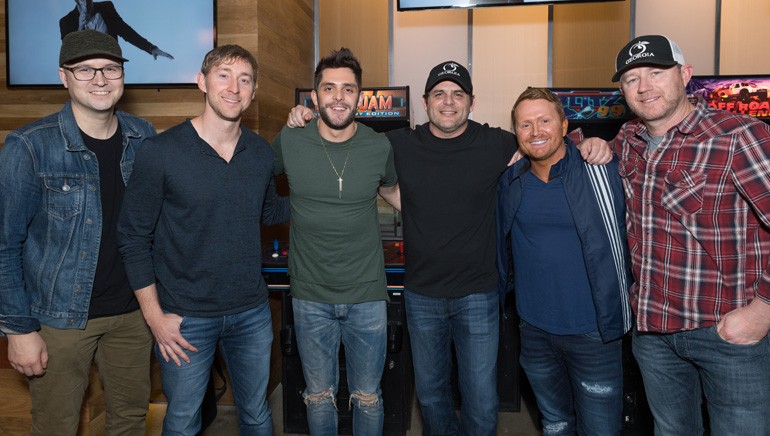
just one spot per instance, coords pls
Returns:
(450, 70)
(89, 44)
(647, 50)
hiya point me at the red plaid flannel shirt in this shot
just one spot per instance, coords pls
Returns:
(698, 218)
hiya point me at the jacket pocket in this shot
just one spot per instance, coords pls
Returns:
(683, 192)
(64, 196)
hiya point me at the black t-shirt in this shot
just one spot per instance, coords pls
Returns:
(111, 294)
(448, 199)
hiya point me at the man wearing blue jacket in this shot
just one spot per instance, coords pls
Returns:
(562, 222)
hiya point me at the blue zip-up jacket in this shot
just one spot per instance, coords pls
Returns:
(51, 220)
(595, 197)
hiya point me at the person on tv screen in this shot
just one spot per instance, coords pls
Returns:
(103, 16)
(65, 300)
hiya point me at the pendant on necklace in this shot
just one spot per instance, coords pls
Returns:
(339, 180)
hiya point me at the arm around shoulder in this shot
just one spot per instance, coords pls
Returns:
(392, 195)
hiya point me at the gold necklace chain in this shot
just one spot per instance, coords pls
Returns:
(345, 165)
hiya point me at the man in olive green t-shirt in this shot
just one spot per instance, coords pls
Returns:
(335, 168)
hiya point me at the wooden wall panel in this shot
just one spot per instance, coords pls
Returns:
(362, 26)
(586, 39)
(691, 23)
(741, 51)
(423, 39)
(286, 58)
(520, 35)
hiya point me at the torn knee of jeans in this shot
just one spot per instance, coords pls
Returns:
(364, 400)
(554, 427)
(598, 388)
(320, 397)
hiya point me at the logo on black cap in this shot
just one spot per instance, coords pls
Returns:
(452, 71)
(450, 68)
(638, 51)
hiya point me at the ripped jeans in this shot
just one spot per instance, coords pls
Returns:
(362, 329)
(577, 381)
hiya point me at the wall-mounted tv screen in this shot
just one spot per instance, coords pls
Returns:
(164, 41)
(409, 5)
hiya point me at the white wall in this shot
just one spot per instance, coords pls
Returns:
(510, 52)
(744, 45)
(690, 23)
(421, 40)
(508, 46)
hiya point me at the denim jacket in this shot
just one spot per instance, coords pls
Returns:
(51, 220)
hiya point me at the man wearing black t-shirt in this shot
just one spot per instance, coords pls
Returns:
(64, 296)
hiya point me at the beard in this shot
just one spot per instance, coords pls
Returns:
(337, 125)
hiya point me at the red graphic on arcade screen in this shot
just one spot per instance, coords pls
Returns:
(747, 95)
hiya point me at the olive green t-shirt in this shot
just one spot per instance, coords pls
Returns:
(335, 252)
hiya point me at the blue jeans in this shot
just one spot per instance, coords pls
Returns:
(244, 339)
(471, 322)
(679, 368)
(362, 328)
(577, 381)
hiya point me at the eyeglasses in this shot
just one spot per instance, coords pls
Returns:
(110, 72)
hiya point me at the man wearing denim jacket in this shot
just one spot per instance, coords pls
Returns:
(64, 296)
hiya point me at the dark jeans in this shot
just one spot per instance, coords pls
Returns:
(470, 322)
(577, 381)
(679, 368)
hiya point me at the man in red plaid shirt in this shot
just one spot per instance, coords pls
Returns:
(697, 184)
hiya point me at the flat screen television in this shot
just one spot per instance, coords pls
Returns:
(409, 5)
(184, 29)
